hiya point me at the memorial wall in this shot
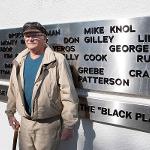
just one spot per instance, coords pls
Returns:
(105, 56)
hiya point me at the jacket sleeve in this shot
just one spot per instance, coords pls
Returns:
(11, 104)
(68, 95)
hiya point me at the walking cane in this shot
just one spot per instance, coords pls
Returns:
(15, 139)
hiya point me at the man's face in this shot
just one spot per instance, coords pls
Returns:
(35, 41)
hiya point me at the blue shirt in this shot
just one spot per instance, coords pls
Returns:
(31, 67)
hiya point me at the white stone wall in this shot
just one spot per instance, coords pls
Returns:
(15, 13)
(90, 135)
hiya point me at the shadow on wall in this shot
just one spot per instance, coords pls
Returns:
(89, 134)
(83, 138)
(84, 133)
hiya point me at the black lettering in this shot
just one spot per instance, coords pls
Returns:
(63, 48)
(144, 38)
(104, 111)
(101, 80)
(92, 57)
(98, 39)
(115, 113)
(139, 73)
(128, 115)
(121, 113)
(129, 48)
(86, 108)
(15, 35)
(54, 32)
(71, 56)
(94, 30)
(142, 117)
(121, 29)
(8, 56)
(92, 109)
(8, 42)
(7, 65)
(138, 116)
(5, 72)
(22, 41)
(143, 58)
(6, 49)
(3, 93)
(85, 70)
(71, 40)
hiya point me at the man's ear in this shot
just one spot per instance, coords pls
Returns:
(46, 40)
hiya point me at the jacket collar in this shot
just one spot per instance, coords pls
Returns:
(49, 56)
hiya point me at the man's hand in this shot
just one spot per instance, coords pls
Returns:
(13, 122)
(66, 134)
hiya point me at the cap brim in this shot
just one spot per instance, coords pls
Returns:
(31, 31)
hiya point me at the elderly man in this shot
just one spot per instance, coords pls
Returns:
(42, 91)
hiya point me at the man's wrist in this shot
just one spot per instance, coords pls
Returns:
(10, 115)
